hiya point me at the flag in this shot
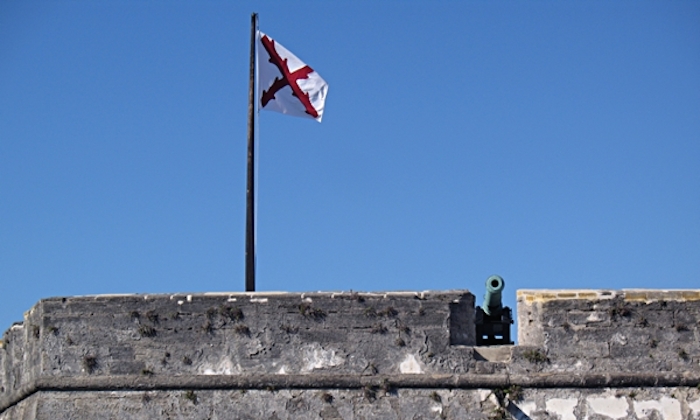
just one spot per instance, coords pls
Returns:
(286, 84)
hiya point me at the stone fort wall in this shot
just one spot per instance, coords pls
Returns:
(582, 354)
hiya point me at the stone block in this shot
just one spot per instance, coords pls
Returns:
(588, 318)
(685, 320)
(655, 318)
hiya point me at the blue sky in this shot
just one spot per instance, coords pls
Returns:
(554, 143)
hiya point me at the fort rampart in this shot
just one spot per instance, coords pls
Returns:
(582, 354)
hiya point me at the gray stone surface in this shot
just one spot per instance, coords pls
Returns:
(237, 334)
(612, 331)
(582, 355)
(370, 403)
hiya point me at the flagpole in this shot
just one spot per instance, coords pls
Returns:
(250, 187)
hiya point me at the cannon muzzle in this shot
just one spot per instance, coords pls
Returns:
(492, 299)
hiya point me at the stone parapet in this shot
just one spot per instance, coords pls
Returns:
(606, 330)
(237, 334)
(583, 354)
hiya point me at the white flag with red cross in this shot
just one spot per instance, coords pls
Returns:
(286, 84)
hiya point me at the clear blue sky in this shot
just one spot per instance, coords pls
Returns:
(554, 143)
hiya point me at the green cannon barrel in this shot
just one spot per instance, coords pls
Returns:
(492, 299)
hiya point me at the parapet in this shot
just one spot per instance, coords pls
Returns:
(117, 339)
(581, 354)
(612, 331)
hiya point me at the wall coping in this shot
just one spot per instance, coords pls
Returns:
(631, 295)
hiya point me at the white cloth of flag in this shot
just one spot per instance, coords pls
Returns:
(286, 84)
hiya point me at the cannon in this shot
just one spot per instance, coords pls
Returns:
(492, 319)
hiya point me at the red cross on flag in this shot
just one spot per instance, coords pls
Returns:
(286, 84)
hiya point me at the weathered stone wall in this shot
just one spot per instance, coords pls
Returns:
(113, 337)
(393, 404)
(582, 355)
(612, 331)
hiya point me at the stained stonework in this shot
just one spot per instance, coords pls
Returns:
(583, 354)
(565, 404)
(608, 331)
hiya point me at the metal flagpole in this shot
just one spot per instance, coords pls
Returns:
(250, 187)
